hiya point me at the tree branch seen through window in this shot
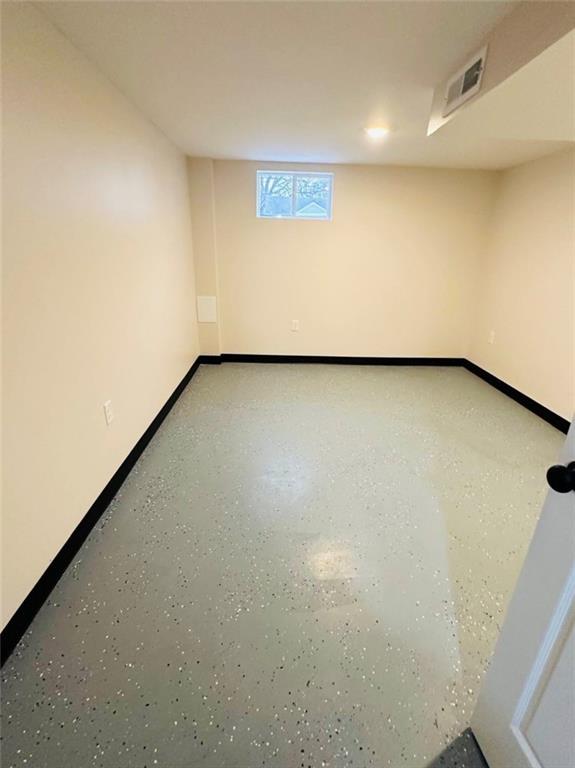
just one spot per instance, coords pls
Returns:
(296, 195)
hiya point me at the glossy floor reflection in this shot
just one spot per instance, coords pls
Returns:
(307, 567)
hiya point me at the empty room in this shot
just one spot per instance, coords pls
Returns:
(288, 377)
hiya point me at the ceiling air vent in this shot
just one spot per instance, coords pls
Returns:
(465, 83)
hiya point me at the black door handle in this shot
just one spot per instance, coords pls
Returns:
(562, 478)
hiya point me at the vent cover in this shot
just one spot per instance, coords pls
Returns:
(465, 83)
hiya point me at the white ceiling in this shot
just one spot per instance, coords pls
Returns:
(296, 81)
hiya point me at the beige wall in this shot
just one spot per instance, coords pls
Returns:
(98, 280)
(392, 274)
(527, 288)
(416, 262)
(201, 185)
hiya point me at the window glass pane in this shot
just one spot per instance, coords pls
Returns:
(313, 197)
(275, 194)
(285, 195)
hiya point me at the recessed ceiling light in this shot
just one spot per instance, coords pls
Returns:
(377, 132)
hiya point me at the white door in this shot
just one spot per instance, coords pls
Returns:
(525, 715)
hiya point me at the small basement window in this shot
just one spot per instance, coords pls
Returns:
(294, 195)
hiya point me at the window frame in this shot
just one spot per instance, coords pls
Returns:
(294, 175)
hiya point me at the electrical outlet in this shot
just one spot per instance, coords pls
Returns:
(491, 337)
(108, 412)
(295, 325)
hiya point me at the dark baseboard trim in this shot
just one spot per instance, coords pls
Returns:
(333, 360)
(23, 617)
(527, 402)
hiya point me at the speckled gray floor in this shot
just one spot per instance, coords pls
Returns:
(307, 567)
